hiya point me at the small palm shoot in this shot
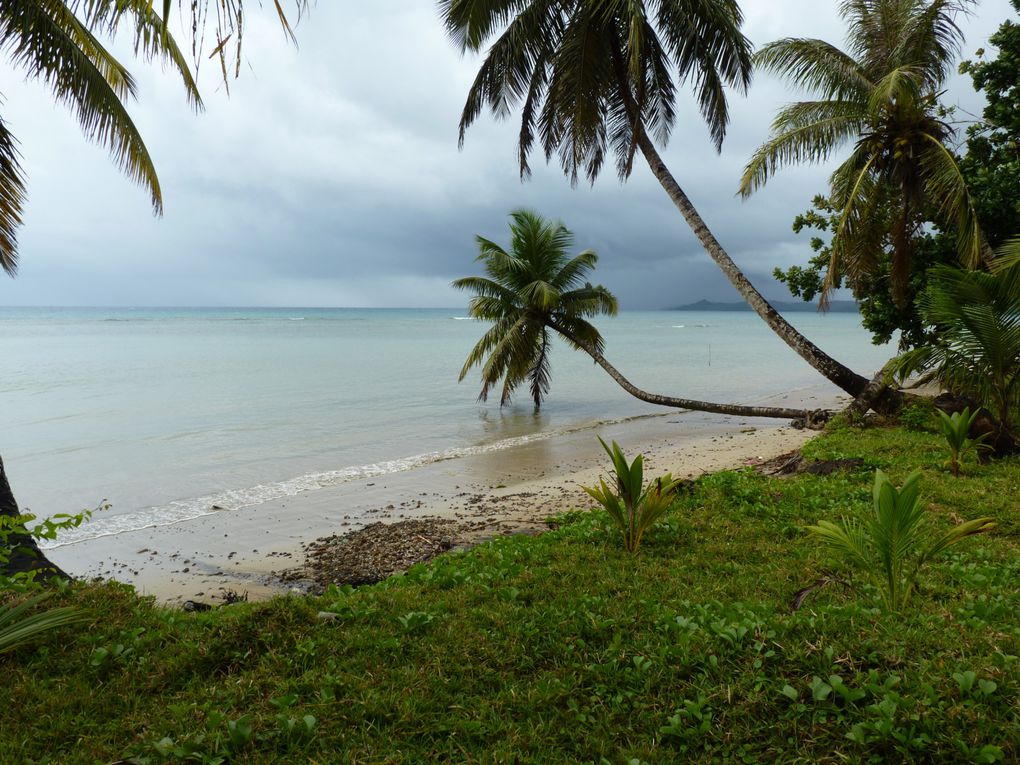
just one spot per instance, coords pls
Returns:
(633, 508)
(18, 628)
(956, 429)
(895, 544)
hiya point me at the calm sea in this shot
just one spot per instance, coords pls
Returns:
(168, 412)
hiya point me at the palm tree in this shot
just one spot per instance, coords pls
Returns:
(536, 288)
(595, 77)
(882, 95)
(57, 42)
(976, 350)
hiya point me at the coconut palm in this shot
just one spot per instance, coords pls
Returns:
(881, 95)
(976, 350)
(595, 78)
(536, 289)
(57, 43)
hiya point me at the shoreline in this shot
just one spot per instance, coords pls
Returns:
(245, 551)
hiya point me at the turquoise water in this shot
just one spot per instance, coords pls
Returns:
(167, 412)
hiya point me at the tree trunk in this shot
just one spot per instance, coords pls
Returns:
(839, 375)
(846, 379)
(809, 418)
(24, 555)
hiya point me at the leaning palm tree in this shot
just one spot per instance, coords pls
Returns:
(536, 289)
(881, 95)
(599, 77)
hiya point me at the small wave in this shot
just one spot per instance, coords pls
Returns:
(237, 499)
(462, 318)
(695, 326)
(297, 318)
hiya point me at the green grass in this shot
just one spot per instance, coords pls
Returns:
(564, 648)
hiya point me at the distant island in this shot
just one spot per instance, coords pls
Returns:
(798, 306)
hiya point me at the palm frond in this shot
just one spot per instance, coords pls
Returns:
(527, 291)
(949, 188)
(808, 131)
(815, 66)
(45, 43)
(12, 199)
(152, 40)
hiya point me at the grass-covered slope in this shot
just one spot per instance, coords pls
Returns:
(563, 648)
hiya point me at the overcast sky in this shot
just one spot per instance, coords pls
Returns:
(330, 176)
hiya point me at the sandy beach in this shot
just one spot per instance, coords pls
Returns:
(244, 551)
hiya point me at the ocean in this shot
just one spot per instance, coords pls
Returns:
(170, 414)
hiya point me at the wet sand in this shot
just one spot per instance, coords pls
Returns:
(495, 493)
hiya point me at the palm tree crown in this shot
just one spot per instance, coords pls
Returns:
(882, 93)
(594, 76)
(535, 287)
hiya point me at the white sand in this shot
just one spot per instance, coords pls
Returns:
(507, 490)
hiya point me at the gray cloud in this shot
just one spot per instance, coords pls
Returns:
(331, 176)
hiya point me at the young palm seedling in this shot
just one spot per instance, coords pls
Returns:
(894, 544)
(633, 508)
(956, 429)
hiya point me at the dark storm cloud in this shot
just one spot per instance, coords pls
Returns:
(331, 176)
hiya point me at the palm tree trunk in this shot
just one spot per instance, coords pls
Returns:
(841, 376)
(21, 554)
(810, 418)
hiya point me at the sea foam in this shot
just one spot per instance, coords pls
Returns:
(183, 510)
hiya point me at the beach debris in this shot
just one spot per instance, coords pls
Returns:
(793, 463)
(195, 605)
(801, 595)
(230, 597)
(377, 551)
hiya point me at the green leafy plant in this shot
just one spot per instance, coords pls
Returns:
(956, 429)
(633, 508)
(17, 624)
(917, 417)
(18, 627)
(895, 544)
(975, 350)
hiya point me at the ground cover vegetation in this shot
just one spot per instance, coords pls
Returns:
(567, 648)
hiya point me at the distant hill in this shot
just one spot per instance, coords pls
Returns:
(799, 306)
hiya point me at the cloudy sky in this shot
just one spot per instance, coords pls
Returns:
(330, 176)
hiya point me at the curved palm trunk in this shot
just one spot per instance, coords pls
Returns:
(24, 554)
(837, 373)
(736, 410)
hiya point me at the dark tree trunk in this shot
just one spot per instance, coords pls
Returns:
(841, 376)
(24, 554)
(809, 418)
